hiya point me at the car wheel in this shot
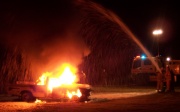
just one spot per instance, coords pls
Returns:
(85, 95)
(26, 96)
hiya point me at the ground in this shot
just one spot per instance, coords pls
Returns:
(113, 99)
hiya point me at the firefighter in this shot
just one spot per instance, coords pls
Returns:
(168, 78)
(160, 80)
(172, 83)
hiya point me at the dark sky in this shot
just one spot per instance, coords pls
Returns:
(143, 16)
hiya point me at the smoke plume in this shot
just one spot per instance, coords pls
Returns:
(47, 33)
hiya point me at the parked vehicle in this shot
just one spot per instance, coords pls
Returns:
(30, 91)
(144, 71)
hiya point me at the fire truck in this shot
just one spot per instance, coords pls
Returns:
(144, 70)
(30, 91)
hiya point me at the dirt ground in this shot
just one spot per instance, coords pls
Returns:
(110, 100)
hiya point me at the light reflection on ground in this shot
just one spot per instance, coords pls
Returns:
(108, 99)
(110, 96)
(12, 106)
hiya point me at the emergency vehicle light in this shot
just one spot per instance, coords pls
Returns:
(143, 57)
(137, 56)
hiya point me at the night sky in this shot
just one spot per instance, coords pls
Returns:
(43, 35)
(50, 33)
(142, 17)
(41, 20)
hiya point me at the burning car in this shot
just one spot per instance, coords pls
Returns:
(61, 86)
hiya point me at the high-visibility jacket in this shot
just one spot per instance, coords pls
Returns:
(159, 76)
(168, 74)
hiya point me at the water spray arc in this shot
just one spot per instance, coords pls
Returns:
(114, 18)
(48, 37)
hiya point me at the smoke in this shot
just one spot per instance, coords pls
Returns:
(45, 32)
(66, 31)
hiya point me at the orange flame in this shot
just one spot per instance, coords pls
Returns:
(64, 76)
(39, 101)
(71, 94)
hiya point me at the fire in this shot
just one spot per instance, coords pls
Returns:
(64, 76)
(71, 94)
(67, 77)
(42, 79)
(39, 101)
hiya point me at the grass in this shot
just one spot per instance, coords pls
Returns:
(121, 89)
(124, 89)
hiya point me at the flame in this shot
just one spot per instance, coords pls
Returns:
(65, 75)
(42, 79)
(73, 93)
(39, 101)
(66, 78)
